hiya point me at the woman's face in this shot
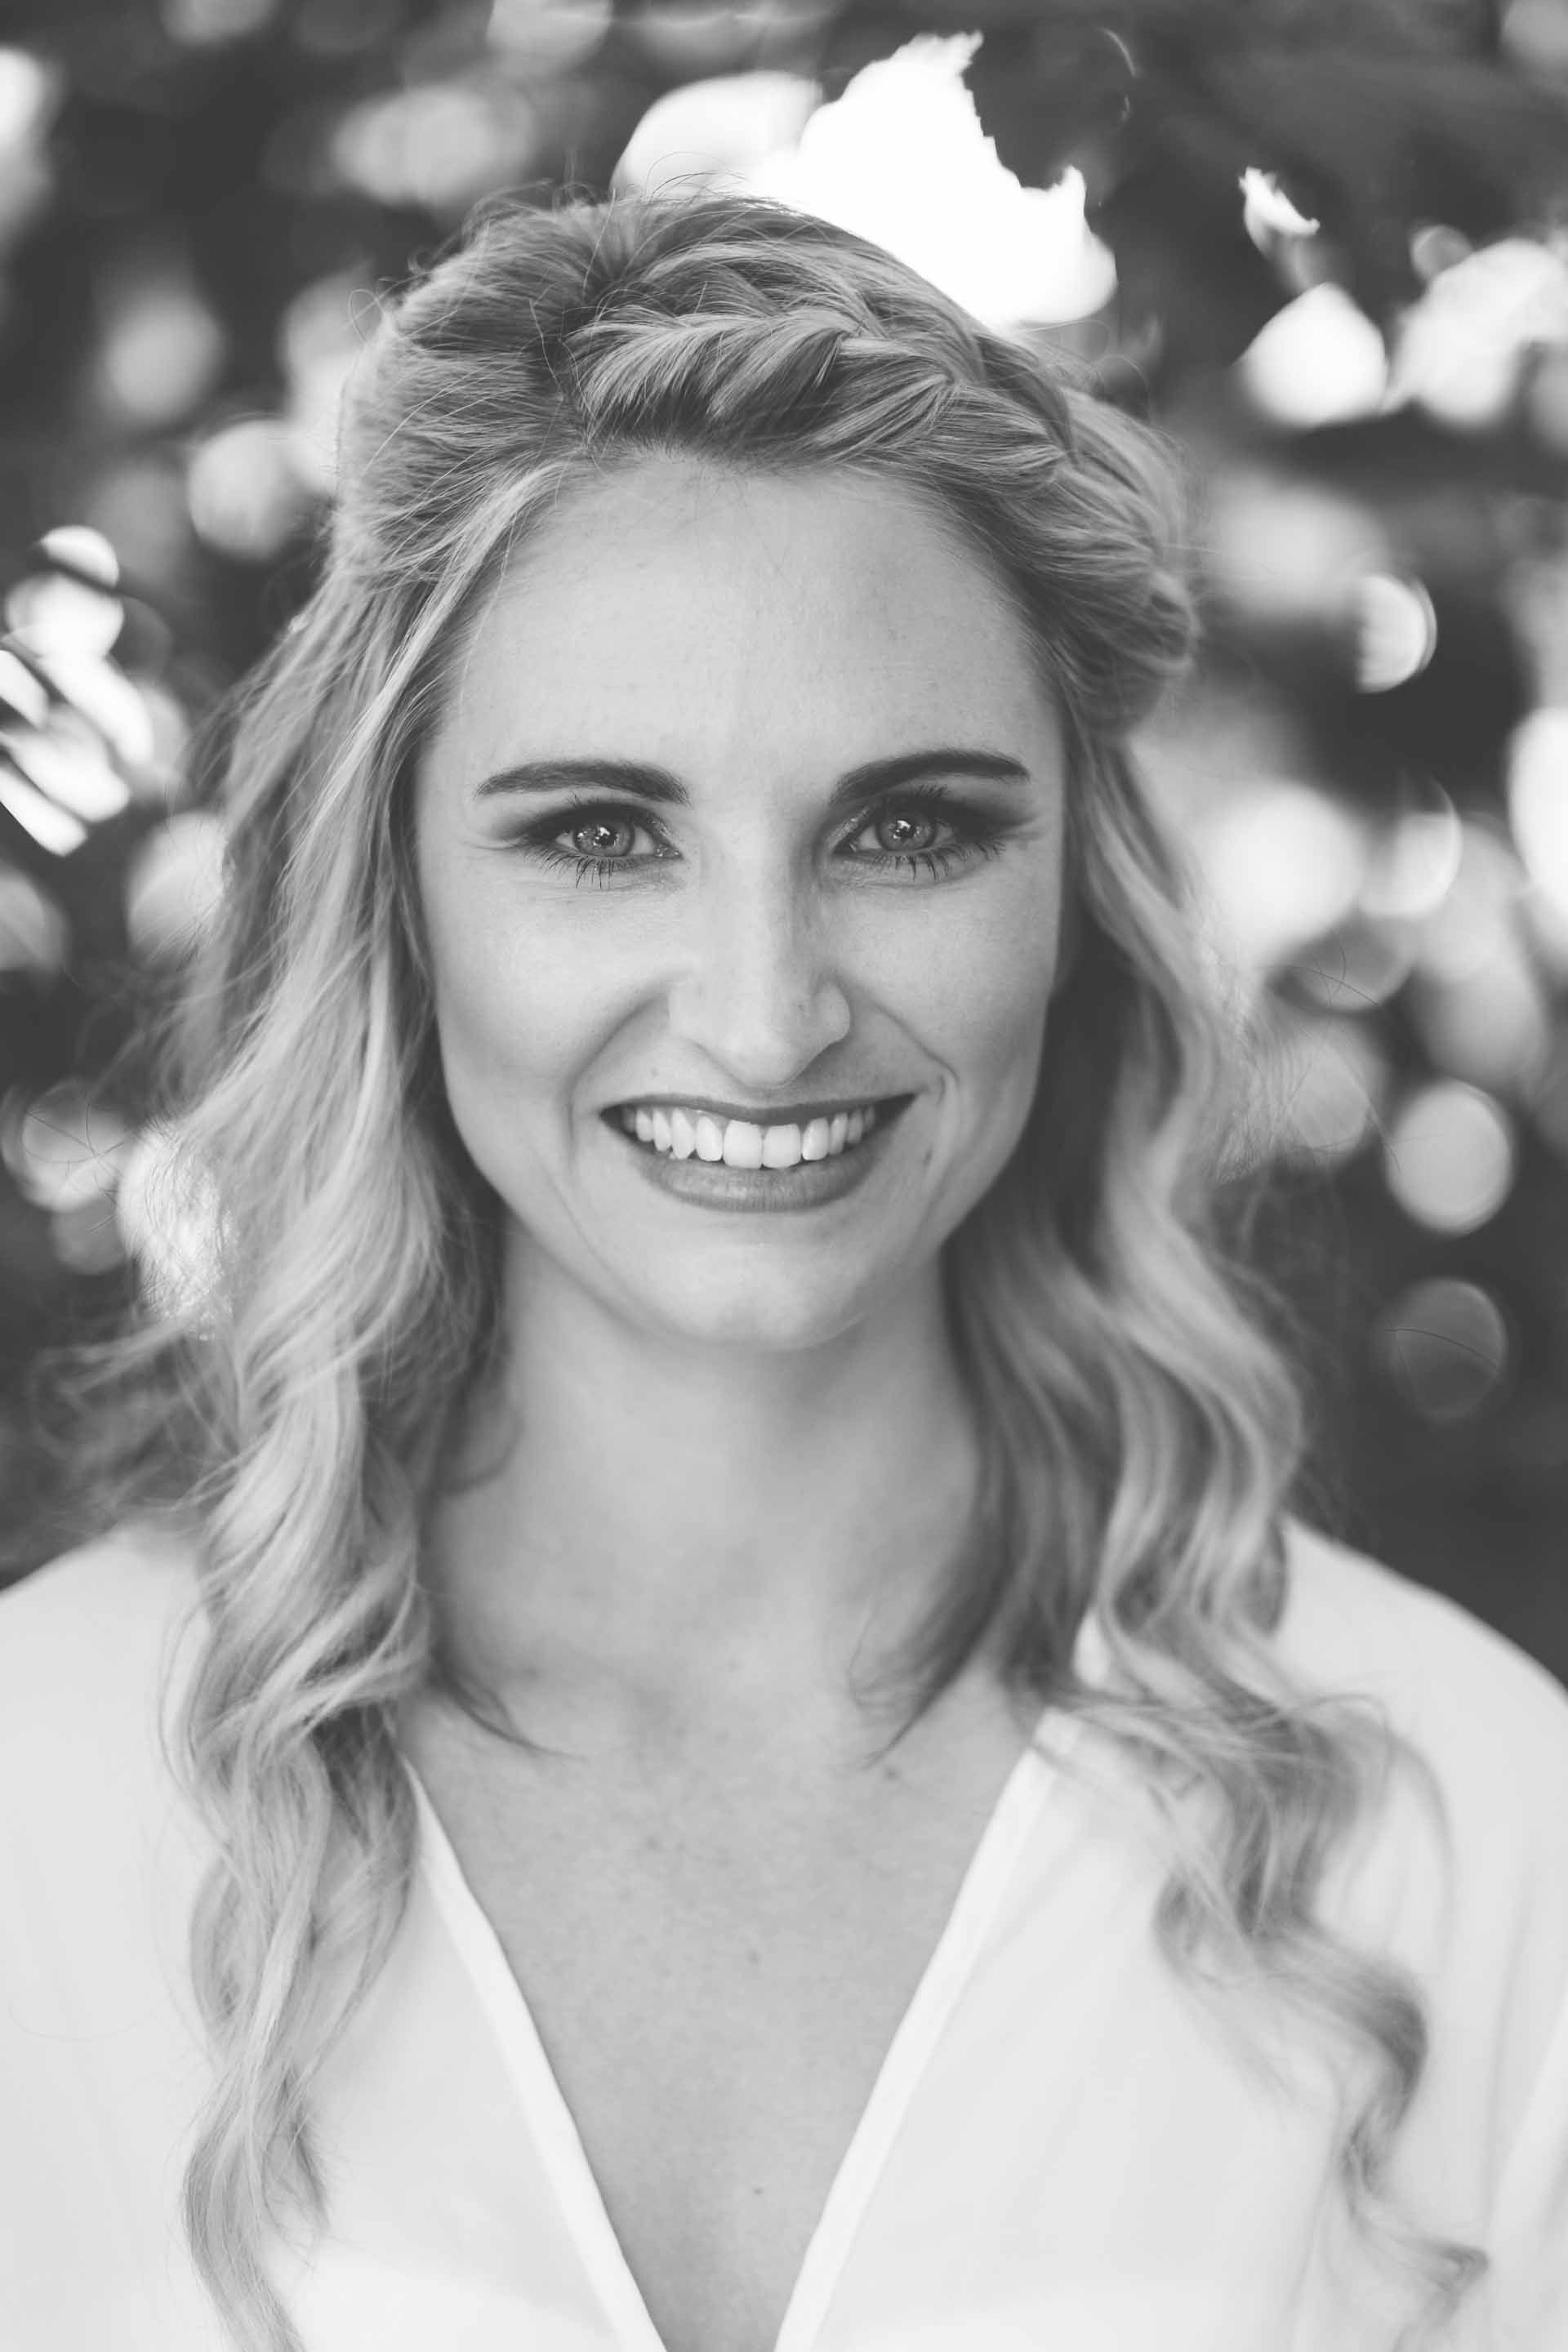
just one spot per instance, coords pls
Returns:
(745, 795)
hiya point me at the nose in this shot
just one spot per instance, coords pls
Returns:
(757, 993)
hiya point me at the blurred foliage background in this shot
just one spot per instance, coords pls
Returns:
(1322, 243)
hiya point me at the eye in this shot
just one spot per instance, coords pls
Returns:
(906, 832)
(603, 836)
(909, 828)
(593, 841)
(596, 841)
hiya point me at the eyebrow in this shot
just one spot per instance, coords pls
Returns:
(652, 783)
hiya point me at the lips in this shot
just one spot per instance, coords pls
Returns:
(680, 1133)
(753, 1115)
(722, 1183)
(718, 1133)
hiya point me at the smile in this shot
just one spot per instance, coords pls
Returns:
(679, 1133)
(738, 1166)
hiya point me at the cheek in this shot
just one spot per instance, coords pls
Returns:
(985, 987)
(515, 1015)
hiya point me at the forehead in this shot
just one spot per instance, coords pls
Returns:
(677, 610)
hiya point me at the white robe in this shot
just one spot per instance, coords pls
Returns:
(1061, 2153)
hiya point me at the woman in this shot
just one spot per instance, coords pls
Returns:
(753, 1761)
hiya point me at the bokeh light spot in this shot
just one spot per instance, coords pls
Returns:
(162, 776)
(1537, 793)
(549, 35)
(1318, 360)
(79, 548)
(51, 827)
(26, 92)
(23, 693)
(174, 885)
(1359, 967)
(1460, 346)
(1444, 1347)
(319, 342)
(1492, 1027)
(1267, 213)
(247, 494)
(163, 349)
(51, 613)
(1415, 863)
(1284, 552)
(67, 764)
(107, 700)
(87, 1239)
(441, 144)
(207, 23)
(1284, 863)
(690, 38)
(1433, 248)
(63, 1148)
(1449, 1157)
(723, 128)
(1478, 917)
(903, 159)
(31, 92)
(34, 933)
(1329, 1078)
(1395, 631)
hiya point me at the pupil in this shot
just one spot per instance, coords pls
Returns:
(903, 825)
(606, 834)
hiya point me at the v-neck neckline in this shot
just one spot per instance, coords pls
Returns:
(904, 2063)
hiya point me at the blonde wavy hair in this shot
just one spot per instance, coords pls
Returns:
(294, 1413)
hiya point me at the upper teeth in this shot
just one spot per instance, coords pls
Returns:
(739, 1142)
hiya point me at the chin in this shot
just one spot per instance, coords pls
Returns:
(776, 1316)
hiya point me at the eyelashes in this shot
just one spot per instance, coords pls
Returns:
(975, 836)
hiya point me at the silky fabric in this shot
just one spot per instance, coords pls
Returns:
(1064, 2150)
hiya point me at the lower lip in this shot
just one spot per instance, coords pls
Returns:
(810, 1184)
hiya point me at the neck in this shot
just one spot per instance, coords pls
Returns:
(668, 1534)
